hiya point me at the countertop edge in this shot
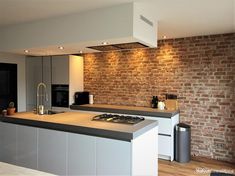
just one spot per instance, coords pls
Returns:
(118, 135)
(124, 111)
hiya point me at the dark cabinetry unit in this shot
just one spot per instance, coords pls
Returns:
(60, 95)
(8, 85)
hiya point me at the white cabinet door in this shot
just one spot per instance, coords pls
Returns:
(164, 124)
(26, 146)
(113, 157)
(8, 142)
(60, 70)
(165, 145)
(52, 151)
(81, 154)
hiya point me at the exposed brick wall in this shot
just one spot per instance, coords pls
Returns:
(199, 69)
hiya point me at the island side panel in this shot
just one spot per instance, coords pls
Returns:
(145, 153)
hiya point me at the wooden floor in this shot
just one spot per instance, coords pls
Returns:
(196, 167)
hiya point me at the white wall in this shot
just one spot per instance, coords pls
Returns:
(76, 75)
(233, 15)
(142, 29)
(20, 61)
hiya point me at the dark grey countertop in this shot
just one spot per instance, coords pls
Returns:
(144, 111)
(82, 123)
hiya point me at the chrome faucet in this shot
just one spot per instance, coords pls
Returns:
(40, 105)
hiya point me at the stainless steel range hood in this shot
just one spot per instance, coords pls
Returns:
(125, 26)
(122, 46)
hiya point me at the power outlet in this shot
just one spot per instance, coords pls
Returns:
(219, 145)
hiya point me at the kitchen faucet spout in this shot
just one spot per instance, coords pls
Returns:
(40, 105)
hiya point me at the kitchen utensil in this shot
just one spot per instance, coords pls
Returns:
(81, 98)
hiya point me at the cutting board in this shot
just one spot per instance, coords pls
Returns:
(171, 104)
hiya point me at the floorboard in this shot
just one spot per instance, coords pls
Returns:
(196, 167)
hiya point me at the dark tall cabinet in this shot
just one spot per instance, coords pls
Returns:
(8, 85)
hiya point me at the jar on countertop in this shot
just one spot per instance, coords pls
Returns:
(161, 105)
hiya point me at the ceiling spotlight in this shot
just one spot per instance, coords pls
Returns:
(80, 51)
(104, 43)
(26, 51)
(164, 37)
(61, 47)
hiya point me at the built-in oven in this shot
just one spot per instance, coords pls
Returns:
(60, 95)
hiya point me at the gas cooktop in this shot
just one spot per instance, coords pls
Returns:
(125, 119)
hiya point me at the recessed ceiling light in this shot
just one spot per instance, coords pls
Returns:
(104, 43)
(164, 36)
(26, 51)
(61, 47)
(80, 51)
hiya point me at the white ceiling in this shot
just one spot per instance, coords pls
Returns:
(183, 18)
(19, 11)
(176, 18)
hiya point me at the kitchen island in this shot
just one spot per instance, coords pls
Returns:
(72, 144)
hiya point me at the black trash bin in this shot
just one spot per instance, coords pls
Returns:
(182, 143)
